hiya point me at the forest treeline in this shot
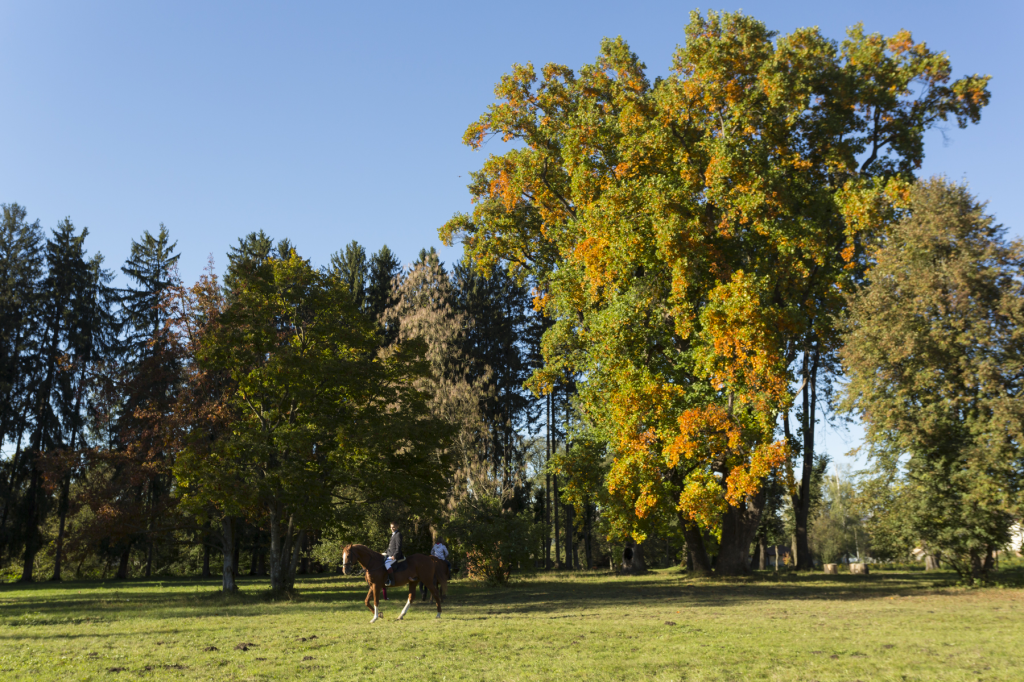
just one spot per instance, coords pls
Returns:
(667, 285)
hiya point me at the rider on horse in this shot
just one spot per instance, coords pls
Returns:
(394, 554)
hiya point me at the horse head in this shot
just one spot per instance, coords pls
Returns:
(344, 559)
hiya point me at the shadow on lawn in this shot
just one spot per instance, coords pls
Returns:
(553, 594)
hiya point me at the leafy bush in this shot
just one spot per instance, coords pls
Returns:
(493, 539)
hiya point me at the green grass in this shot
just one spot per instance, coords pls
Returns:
(662, 626)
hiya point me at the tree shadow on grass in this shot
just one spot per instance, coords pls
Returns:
(551, 595)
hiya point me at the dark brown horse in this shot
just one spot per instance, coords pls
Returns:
(417, 568)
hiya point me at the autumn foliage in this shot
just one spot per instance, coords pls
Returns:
(692, 236)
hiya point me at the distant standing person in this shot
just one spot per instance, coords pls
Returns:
(441, 552)
(394, 552)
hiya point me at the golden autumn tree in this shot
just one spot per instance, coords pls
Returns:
(691, 238)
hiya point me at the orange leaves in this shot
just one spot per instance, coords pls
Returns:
(708, 431)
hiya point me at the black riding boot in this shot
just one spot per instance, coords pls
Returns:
(387, 582)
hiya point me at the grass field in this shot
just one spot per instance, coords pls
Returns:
(662, 626)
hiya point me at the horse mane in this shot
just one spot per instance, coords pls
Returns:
(370, 559)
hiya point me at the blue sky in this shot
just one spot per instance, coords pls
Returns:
(328, 122)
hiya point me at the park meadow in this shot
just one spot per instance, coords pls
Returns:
(663, 625)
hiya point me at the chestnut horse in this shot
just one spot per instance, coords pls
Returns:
(442, 575)
(417, 568)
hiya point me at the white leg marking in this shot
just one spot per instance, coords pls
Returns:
(404, 610)
(375, 614)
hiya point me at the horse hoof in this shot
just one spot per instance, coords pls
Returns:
(374, 619)
(437, 616)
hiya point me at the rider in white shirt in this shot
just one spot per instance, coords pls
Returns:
(441, 552)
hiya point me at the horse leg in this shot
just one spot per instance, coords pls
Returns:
(408, 602)
(437, 598)
(374, 608)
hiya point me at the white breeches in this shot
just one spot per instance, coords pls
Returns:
(388, 562)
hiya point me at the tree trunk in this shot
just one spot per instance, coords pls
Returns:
(558, 529)
(639, 564)
(280, 551)
(571, 552)
(588, 542)
(32, 540)
(547, 487)
(296, 551)
(206, 550)
(62, 510)
(739, 524)
(122, 567)
(227, 526)
(802, 502)
(762, 553)
(699, 562)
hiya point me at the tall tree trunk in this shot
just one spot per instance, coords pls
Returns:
(699, 560)
(227, 526)
(588, 543)
(756, 559)
(739, 524)
(255, 552)
(293, 564)
(122, 567)
(558, 529)
(802, 503)
(62, 510)
(206, 550)
(280, 550)
(149, 529)
(762, 553)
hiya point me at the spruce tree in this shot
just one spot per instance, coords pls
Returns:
(21, 270)
(350, 265)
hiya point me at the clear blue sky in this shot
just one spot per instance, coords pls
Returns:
(326, 122)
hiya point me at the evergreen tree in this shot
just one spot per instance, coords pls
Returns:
(139, 463)
(383, 278)
(350, 266)
(21, 269)
(62, 332)
(499, 345)
(243, 259)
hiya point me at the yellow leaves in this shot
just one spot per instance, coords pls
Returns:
(703, 500)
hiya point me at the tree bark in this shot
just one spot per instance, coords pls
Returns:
(802, 502)
(296, 551)
(558, 530)
(698, 556)
(739, 524)
(588, 543)
(547, 485)
(639, 564)
(762, 553)
(280, 551)
(227, 525)
(206, 550)
(62, 510)
(122, 567)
